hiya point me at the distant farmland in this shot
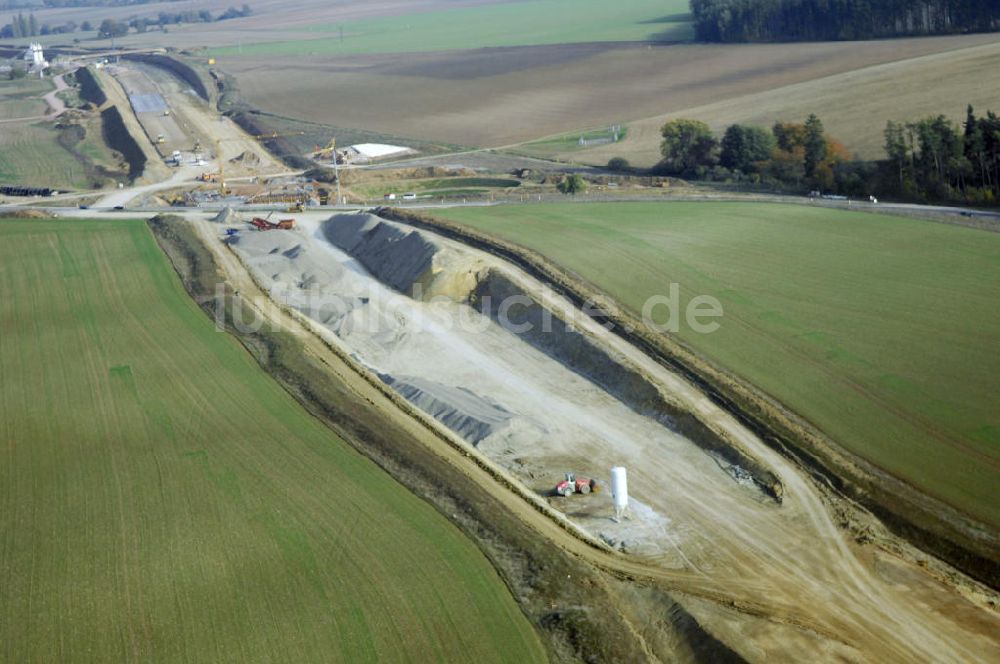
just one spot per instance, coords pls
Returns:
(501, 96)
(488, 25)
(162, 499)
(882, 331)
(854, 105)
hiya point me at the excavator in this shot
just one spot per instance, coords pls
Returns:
(329, 152)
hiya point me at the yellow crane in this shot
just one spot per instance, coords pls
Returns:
(329, 151)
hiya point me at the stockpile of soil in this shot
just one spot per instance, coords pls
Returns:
(226, 216)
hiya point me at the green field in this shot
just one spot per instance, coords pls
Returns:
(437, 186)
(31, 155)
(162, 499)
(548, 148)
(29, 151)
(520, 23)
(22, 98)
(880, 330)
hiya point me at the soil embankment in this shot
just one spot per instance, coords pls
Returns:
(119, 127)
(90, 87)
(929, 524)
(182, 70)
(118, 137)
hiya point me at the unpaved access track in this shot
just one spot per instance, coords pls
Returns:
(773, 582)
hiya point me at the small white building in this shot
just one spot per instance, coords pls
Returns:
(34, 59)
(367, 152)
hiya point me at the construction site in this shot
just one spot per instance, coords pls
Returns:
(555, 402)
(601, 450)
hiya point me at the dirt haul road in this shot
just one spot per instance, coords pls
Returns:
(153, 91)
(769, 580)
(244, 155)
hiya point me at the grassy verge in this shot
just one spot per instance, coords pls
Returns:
(550, 148)
(437, 186)
(164, 500)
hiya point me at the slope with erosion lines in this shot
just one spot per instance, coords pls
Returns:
(700, 521)
(162, 499)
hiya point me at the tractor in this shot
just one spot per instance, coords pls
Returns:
(573, 484)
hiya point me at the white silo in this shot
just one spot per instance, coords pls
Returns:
(619, 491)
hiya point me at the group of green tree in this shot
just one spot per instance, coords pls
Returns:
(932, 159)
(112, 28)
(21, 26)
(789, 153)
(820, 20)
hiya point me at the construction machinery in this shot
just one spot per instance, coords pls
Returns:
(573, 484)
(160, 139)
(296, 207)
(267, 225)
(326, 153)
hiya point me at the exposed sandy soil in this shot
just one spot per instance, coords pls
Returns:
(135, 81)
(496, 97)
(191, 119)
(810, 592)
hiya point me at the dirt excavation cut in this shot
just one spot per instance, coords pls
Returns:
(446, 327)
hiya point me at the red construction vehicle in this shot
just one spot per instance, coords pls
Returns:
(573, 484)
(265, 225)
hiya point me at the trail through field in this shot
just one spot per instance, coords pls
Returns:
(806, 589)
(56, 105)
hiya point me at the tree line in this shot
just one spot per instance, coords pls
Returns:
(99, 3)
(798, 154)
(823, 20)
(112, 28)
(932, 159)
(27, 26)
